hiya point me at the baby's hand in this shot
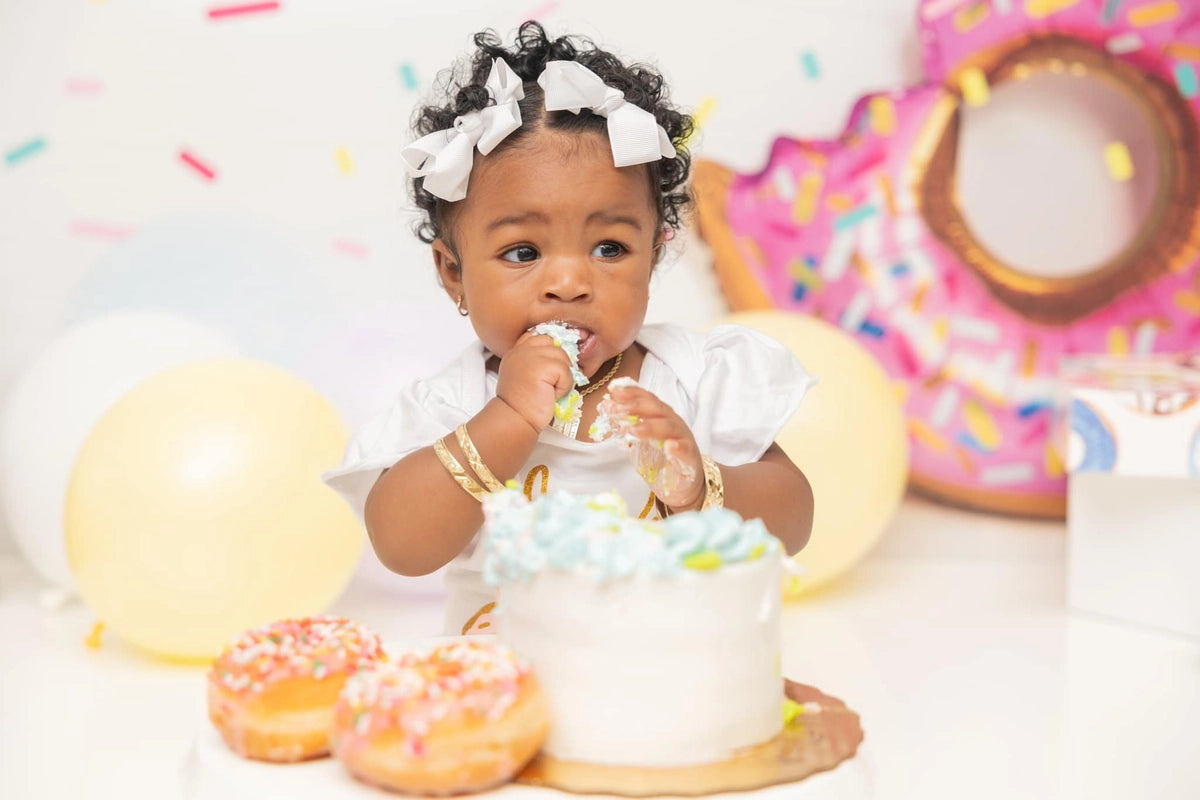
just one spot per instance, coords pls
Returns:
(667, 455)
(533, 374)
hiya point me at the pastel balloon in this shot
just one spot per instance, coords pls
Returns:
(196, 510)
(848, 437)
(57, 399)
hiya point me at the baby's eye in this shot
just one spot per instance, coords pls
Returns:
(520, 253)
(608, 250)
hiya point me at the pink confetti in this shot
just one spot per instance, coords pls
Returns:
(84, 87)
(208, 172)
(351, 248)
(221, 12)
(1038, 431)
(544, 10)
(101, 230)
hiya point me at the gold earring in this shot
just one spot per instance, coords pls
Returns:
(462, 311)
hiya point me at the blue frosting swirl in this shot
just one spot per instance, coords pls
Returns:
(594, 534)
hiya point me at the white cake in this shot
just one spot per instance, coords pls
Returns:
(657, 643)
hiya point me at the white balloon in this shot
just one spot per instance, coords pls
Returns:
(58, 398)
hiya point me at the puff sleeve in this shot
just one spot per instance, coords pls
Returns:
(424, 411)
(749, 386)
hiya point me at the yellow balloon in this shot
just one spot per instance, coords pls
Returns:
(849, 437)
(195, 507)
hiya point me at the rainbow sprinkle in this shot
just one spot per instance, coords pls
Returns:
(971, 16)
(807, 197)
(882, 112)
(974, 86)
(1118, 160)
(812, 68)
(1124, 43)
(1153, 14)
(207, 172)
(1039, 9)
(24, 151)
(855, 217)
(409, 76)
(224, 12)
(1185, 79)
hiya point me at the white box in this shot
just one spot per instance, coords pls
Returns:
(1133, 488)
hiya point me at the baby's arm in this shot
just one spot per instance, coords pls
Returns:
(417, 516)
(772, 488)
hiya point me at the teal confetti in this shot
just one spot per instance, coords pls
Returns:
(409, 76)
(812, 68)
(24, 151)
(1110, 11)
(1185, 79)
(852, 218)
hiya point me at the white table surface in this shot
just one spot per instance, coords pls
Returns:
(952, 640)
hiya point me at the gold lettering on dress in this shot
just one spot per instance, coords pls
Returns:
(532, 476)
(487, 609)
(646, 509)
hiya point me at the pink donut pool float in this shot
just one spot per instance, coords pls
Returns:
(865, 232)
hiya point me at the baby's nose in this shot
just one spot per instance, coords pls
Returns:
(567, 279)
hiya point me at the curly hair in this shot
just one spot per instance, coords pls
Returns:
(642, 85)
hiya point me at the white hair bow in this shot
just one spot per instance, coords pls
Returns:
(445, 157)
(634, 134)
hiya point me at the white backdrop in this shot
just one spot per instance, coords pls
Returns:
(302, 241)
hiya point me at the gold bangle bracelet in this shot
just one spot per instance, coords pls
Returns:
(714, 485)
(457, 472)
(475, 460)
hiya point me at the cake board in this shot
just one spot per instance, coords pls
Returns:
(825, 745)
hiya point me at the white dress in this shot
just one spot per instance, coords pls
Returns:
(734, 387)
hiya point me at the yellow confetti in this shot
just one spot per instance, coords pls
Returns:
(964, 460)
(1153, 14)
(805, 275)
(807, 197)
(981, 424)
(970, 16)
(1054, 464)
(700, 115)
(93, 639)
(974, 85)
(791, 710)
(792, 587)
(1182, 51)
(1039, 9)
(1118, 161)
(839, 202)
(882, 112)
(345, 163)
(919, 297)
(1118, 341)
(1029, 364)
(941, 328)
(889, 196)
(927, 436)
(1188, 301)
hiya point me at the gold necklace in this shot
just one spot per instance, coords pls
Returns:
(570, 427)
(607, 377)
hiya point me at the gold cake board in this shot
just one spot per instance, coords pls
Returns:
(812, 742)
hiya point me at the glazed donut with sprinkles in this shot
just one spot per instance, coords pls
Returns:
(460, 717)
(272, 690)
